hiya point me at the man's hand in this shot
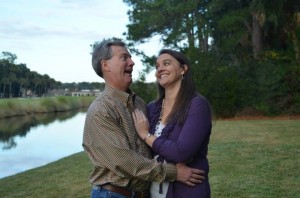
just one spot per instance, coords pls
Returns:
(189, 176)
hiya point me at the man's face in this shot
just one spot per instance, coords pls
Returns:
(119, 68)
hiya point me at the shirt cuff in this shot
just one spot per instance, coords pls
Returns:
(171, 172)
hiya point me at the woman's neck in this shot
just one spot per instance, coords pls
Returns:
(170, 97)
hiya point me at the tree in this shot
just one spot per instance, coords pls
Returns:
(4, 81)
(9, 56)
(233, 46)
(12, 78)
(179, 23)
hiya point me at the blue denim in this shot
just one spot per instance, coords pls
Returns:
(98, 192)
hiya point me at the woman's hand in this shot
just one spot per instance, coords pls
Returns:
(141, 123)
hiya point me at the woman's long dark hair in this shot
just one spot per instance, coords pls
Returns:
(186, 92)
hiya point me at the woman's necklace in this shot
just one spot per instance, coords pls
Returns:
(162, 109)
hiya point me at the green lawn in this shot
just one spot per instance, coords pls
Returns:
(253, 158)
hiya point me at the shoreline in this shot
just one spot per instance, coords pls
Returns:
(15, 107)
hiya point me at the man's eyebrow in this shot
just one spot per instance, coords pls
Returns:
(126, 54)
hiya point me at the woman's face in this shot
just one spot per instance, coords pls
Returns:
(168, 70)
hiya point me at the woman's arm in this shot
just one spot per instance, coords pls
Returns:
(193, 135)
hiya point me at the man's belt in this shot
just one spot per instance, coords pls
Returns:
(125, 192)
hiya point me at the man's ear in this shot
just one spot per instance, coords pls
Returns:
(105, 66)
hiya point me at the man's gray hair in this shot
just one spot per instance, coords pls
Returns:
(102, 51)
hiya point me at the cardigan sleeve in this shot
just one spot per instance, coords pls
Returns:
(193, 135)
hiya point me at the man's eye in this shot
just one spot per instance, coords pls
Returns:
(124, 57)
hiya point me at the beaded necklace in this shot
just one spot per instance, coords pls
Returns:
(162, 109)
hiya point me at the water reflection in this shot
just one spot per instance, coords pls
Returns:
(33, 141)
(21, 125)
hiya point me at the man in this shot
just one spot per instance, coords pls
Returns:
(122, 161)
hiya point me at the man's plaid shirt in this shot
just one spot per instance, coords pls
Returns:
(119, 156)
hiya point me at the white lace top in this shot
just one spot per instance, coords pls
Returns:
(154, 190)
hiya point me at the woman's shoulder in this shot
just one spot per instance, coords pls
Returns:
(199, 100)
(152, 105)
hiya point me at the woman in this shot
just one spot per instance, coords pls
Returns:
(180, 124)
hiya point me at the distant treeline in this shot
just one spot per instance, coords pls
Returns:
(16, 80)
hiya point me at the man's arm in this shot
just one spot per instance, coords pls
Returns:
(189, 176)
(108, 147)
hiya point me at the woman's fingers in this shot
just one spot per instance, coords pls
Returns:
(138, 115)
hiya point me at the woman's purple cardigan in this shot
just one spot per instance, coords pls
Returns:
(186, 144)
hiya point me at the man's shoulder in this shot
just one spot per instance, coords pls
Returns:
(101, 103)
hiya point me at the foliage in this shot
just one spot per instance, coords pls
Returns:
(27, 106)
(279, 86)
(16, 80)
(244, 54)
(147, 91)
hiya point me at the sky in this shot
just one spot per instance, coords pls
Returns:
(53, 37)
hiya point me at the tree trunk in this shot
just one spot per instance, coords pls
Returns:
(189, 29)
(296, 48)
(205, 41)
(257, 35)
(296, 37)
(20, 90)
(4, 90)
(10, 90)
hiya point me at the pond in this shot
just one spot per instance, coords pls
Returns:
(28, 142)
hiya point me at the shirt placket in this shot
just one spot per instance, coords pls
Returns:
(130, 104)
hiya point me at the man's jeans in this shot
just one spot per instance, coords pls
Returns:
(98, 192)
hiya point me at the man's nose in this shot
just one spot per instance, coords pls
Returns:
(131, 63)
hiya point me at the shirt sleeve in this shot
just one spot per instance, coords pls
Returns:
(108, 146)
(193, 135)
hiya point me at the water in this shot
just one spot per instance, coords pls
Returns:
(39, 142)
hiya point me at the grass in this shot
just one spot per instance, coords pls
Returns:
(255, 158)
(25, 106)
(248, 158)
(64, 178)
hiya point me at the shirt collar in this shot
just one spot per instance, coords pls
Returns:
(124, 97)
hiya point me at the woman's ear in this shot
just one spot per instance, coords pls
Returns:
(184, 69)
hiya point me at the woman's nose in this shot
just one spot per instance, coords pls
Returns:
(159, 68)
